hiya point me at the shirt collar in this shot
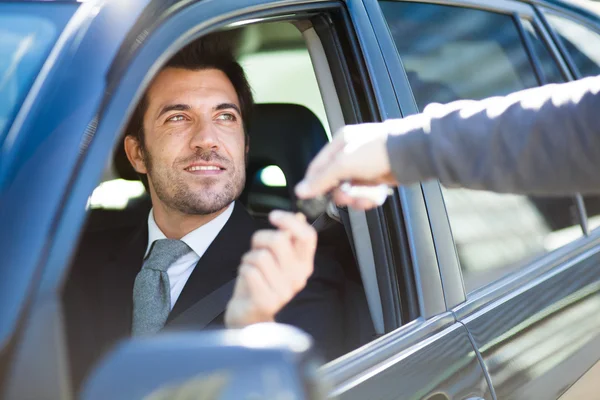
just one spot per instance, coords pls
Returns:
(199, 239)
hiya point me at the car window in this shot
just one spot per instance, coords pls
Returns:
(287, 129)
(27, 34)
(581, 43)
(452, 53)
(548, 67)
(583, 46)
(455, 53)
(281, 73)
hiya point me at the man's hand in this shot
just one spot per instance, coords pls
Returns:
(357, 154)
(274, 270)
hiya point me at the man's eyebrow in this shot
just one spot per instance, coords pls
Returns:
(173, 107)
(225, 106)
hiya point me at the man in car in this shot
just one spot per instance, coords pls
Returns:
(188, 139)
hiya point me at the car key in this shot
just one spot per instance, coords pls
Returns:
(314, 207)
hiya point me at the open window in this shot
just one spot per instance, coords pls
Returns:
(308, 80)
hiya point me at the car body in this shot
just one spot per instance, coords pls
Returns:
(528, 331)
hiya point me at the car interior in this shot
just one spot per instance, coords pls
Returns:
(287, 131)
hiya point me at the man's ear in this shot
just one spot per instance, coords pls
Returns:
(135, 154)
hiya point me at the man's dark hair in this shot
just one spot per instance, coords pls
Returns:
(210, 52)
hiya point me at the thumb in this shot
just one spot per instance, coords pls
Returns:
(328, 178)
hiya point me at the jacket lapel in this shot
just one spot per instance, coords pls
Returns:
(220, 262)
(118, 278)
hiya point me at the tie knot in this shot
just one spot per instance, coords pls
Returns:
(165, 252)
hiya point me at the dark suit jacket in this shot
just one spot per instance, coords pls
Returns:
(98, 294)
(543, 141)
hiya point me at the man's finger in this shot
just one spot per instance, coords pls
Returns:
(287, 255)
(329, 177)
(304, 236)
(264, 300)
(264, 261)
(363, 204)
(342, 198)
(279, 243)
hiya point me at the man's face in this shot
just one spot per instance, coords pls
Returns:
(194, 141)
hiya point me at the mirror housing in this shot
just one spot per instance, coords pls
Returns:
(262, 361)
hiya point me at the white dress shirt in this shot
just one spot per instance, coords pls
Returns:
(198, 240)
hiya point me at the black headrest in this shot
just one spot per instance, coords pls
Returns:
(286, 135)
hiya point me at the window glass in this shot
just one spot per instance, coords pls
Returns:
(279, 68)
(26, 37)
(549, 68)
(582, 44)
(455, 53)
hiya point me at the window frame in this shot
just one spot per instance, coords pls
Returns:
(379, 259)
(570, 68)
(427, 276)
(381, 248)
(278, 11)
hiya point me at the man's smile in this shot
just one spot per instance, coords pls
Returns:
(205, 168)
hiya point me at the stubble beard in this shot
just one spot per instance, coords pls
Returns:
(172, 190)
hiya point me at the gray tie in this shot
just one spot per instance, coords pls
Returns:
(152, 289)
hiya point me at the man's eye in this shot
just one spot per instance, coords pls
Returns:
(227, 117)
(176, 118)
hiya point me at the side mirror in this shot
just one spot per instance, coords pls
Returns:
(263, 361)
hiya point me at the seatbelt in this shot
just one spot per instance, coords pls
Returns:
(201, 314)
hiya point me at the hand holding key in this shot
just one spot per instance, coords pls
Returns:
(273, 271)
(357, 156)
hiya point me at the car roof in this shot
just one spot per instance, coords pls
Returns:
(586, 8)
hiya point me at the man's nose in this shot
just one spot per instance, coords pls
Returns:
(205, 137)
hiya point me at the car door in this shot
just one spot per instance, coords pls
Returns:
(400, 362)
(529, 287)
(74, 138)
(575, 33)
(430, 357)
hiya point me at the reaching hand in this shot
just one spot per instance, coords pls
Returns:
(358, 155)
(274, 270)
